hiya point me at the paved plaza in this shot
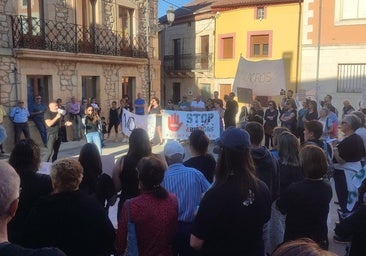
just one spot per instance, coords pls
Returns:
(113, 150)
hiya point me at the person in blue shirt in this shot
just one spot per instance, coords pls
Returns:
(188, 184)
(37, 110)
(19, 116)
(140, 105)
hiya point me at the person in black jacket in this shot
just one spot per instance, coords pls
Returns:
(354, 226)
(25, 158)
(70, 219)
(265, 164)
(10, 186)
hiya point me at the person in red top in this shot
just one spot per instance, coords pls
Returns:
(154, 212)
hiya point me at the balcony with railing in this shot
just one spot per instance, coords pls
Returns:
(188, 62)
(34, 33)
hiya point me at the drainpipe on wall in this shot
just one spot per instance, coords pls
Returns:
(318, 53)
(298, 47)
(148, 50)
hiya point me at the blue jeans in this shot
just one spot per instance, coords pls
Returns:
(94, 137)
(39, 122)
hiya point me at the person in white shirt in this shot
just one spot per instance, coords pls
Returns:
(198, 104)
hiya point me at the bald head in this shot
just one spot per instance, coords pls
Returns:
(9, 187)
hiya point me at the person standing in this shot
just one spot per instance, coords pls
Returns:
(288, 116)
(140, 105)
(216, 97)
(19, 116)
(198, 104)
(73, 109)
(306, 203)
(37, 110)
(9, 200)
(230, 111)
(300, 120)
(68, 218)
(128, 106)
(328, 104)
(221, 111)
(154, 108)
(63, 127)
(3, 134)
(233, 211)
(270, 122)
(113, 119)
(92, 127)
(34, 185)
(53, 118)
(188, 184)
(347, 108)
(184, 104)
(256, 112)
(154, 212)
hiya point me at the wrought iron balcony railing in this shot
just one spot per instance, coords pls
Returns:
(34, 33)
(188, 62)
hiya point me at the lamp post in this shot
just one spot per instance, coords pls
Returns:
(170, 16)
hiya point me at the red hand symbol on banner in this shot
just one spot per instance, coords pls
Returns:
(173, 122)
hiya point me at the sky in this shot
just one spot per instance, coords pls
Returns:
(164, 5)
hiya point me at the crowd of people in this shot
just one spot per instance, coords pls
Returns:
(267, 191)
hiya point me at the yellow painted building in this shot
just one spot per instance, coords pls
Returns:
(266, 30)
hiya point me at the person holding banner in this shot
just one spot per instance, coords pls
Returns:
(154, 108)
(198, 104)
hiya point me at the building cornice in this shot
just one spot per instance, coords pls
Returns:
(32, 54)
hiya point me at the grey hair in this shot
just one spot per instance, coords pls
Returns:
(9, 187)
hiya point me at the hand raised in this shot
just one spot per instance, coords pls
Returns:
(173, 122)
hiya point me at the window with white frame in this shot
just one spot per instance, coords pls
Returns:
(260, 13)
(353, 9)
(350, 12)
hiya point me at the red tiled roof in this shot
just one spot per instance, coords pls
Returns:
(237, 3)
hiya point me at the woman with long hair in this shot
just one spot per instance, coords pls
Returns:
(95, 182)
(290, 171)
(154, 108)
(92, 125)
(124, 175)
(256, 112)
(232, 213)
(25, 158)
(154, 212)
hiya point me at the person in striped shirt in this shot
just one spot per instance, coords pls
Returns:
(188, 184)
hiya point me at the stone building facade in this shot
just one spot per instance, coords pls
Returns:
(88, 48)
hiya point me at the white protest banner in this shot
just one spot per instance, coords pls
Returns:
(265, 77)
(180, 124)
(131, 121)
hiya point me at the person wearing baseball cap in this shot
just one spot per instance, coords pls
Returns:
(232, 213)
(188, 184)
